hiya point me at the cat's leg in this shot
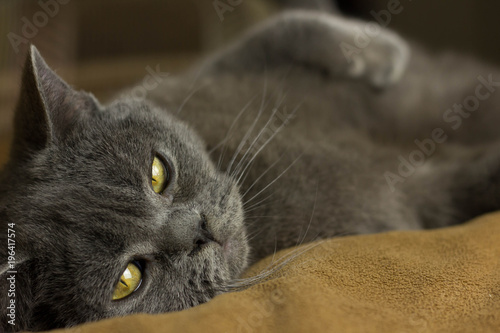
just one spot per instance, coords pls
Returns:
(458, 185)
(475, 189)
(321, 42)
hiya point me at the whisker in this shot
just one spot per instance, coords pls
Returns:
(221, 157)
(250, 148)
(256, 204)
(272, 268)
(275, 248)
(277, 105)
(272, 182)
(312, 215)
(261, 204)
(233, 124)
(264, 216)
(262, 175)
(196, 78)
(244, 178)
(189, 97)
(254, 234)
(267, 142)
(249, 131)
(257, 207)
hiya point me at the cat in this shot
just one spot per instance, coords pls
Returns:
(158, 205)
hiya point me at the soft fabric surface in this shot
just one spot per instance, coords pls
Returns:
(444, 280)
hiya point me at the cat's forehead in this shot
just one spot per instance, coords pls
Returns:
(125, 135)
(131, 121)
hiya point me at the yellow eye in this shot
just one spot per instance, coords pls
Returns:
(159, 176)
(129, 281)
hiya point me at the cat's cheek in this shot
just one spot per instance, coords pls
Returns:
(229, 249)
(235, 252)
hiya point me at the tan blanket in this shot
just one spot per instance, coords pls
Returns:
(444, 280)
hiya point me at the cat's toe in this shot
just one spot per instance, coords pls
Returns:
(386, 62)
(382, 63)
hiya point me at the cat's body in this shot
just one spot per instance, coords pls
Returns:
(301, 145)
(338, 136)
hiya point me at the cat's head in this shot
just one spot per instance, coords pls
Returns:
(119, 201)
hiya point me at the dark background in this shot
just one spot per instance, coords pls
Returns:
(105, 45)
(467, 26)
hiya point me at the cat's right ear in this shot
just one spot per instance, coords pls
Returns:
(48, 107)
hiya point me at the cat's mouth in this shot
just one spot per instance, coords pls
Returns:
(204, 240)
(231, 245)
(228, 246)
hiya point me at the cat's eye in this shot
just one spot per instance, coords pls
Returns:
(129, 282)
(160, 175)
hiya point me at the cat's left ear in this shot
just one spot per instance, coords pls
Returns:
(48, 107)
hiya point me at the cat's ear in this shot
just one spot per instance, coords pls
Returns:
(48, 107)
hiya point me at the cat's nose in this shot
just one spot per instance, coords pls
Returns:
(203, 236)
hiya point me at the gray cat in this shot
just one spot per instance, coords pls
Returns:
(159, 205)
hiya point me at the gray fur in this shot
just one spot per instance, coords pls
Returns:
(281, 142)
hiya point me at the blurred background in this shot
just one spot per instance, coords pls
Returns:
(103, 46)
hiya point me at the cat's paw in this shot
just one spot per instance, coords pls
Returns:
(382, 62)
(320, 41)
